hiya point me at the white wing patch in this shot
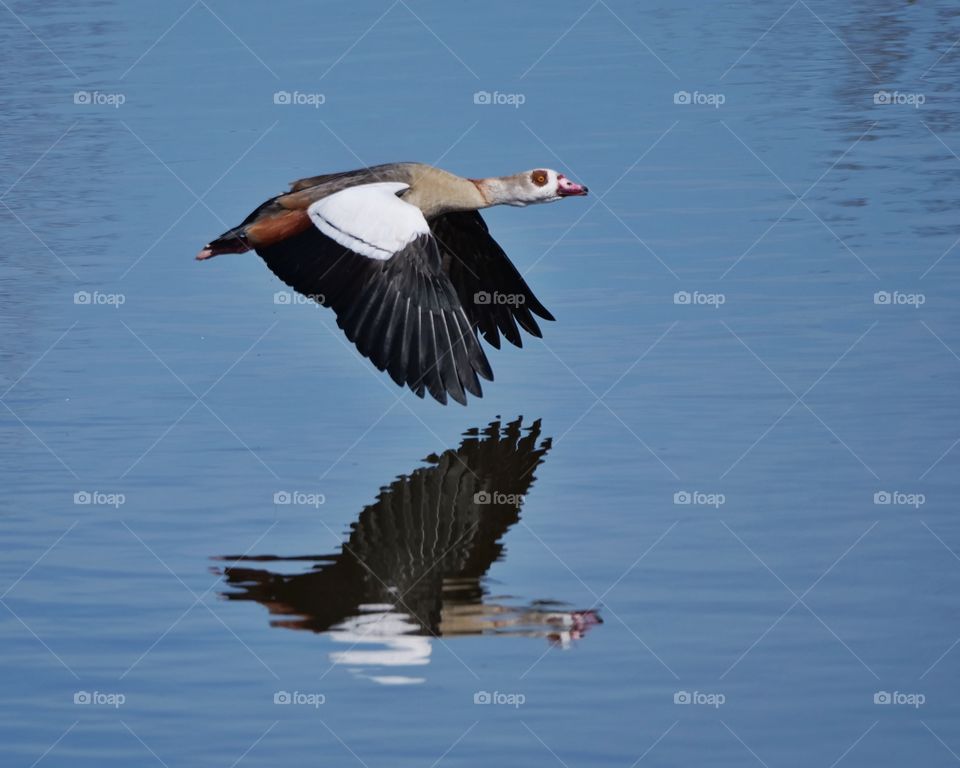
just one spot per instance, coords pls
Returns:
(369, 219)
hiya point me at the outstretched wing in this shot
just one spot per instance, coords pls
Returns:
(372, 258)
(492, 291)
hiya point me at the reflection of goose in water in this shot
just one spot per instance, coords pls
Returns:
(413, 565)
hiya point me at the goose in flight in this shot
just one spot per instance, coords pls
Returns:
(404, 259)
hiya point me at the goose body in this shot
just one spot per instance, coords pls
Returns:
(403, 257)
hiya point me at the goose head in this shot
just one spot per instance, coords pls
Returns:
(541, 185)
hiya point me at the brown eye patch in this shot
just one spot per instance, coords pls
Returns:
(539, 178)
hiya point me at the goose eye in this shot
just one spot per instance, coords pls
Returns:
(539, 178)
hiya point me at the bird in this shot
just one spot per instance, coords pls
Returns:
(401, 254)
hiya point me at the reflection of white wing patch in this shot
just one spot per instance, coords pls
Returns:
(369, 219)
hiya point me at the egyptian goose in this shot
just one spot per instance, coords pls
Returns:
(404, 259)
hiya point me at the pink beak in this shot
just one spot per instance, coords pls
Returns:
(567, 188)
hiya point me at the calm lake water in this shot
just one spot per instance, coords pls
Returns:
(709, 520)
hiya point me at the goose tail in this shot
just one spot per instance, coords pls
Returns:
(232, 241)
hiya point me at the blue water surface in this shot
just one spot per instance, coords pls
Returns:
(739, 544)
